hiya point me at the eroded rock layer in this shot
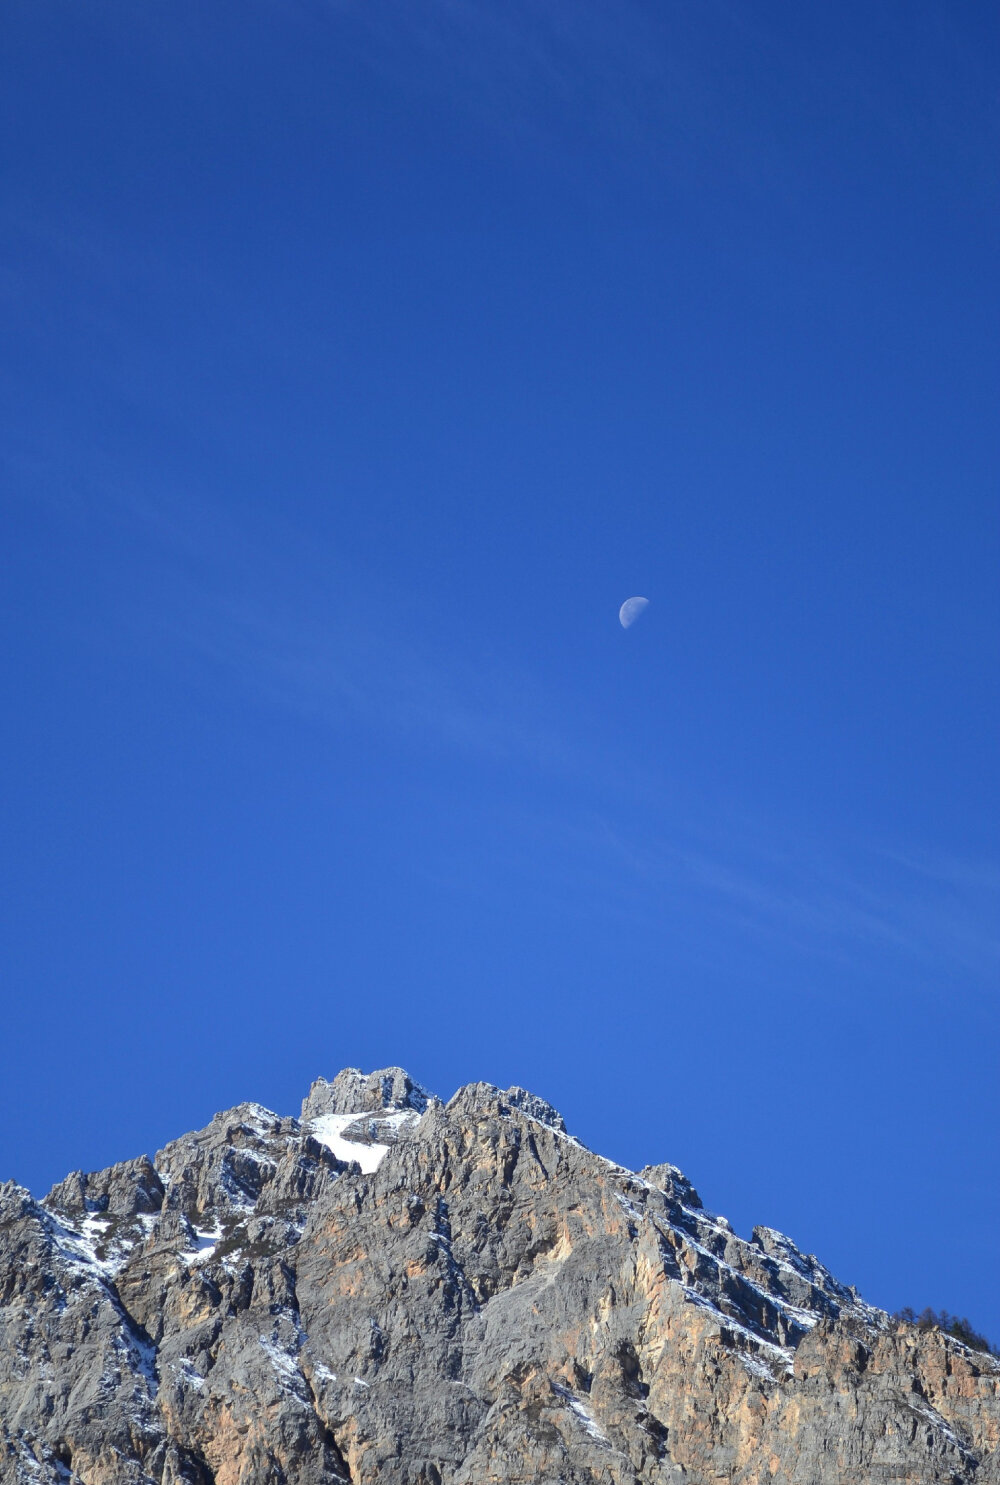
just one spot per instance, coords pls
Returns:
(395, 1290)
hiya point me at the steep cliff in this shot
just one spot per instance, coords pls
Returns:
(391, 1289)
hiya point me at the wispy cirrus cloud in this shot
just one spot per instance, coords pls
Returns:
(298, 630)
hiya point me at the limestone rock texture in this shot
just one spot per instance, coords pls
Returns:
(397, 1290)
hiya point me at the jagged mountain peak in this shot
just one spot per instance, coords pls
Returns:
(355, 1092)
(395, 1290)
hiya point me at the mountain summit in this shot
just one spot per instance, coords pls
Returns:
(397, 1290)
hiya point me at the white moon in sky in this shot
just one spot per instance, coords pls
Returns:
(631, 609)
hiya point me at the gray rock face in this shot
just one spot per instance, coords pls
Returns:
(399, 1291)
(355, 1092)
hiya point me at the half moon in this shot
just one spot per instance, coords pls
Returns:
(630, 610)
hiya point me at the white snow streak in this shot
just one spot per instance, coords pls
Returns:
(329, 1130)
(578, 1410)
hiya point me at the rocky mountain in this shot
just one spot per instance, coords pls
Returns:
(391, 1289)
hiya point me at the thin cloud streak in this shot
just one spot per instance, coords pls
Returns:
(834, 903)
(337, 650)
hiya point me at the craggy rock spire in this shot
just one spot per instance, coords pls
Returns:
(399, 1291)
(355, 1092)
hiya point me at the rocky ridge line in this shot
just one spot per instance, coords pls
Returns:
(397, 1290)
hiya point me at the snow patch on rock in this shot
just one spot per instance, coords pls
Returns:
(335, 1131)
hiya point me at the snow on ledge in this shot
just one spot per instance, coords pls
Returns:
(329, 1130)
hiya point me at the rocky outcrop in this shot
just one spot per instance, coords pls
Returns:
(394, 1290)
(355, 1092)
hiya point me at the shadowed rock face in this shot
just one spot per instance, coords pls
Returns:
(394, 1290)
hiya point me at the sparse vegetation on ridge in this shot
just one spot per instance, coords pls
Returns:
(955, 1325)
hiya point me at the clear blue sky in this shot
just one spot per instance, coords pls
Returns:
(360, 359)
